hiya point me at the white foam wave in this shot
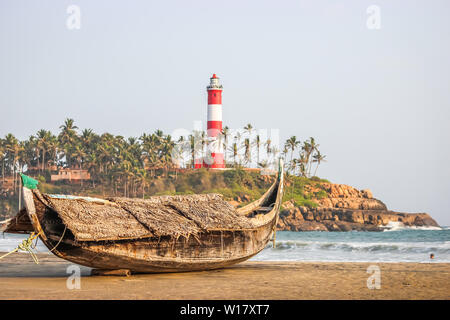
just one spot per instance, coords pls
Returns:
(398, 226)
(400, 247)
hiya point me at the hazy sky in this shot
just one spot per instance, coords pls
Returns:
(377, 101)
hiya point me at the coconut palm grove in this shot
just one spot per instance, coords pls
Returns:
(152, 164)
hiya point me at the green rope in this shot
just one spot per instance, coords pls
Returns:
(26, 245)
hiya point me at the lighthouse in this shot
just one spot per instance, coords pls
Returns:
(214, 158)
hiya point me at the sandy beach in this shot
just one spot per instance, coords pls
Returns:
(20, 278)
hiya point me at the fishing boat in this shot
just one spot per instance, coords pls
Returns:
(158, 234)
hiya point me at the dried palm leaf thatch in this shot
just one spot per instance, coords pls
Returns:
(197, 213)
(123, 218)
(93, 221)
(161, 219)
(19, 224)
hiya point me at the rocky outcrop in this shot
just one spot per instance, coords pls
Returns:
(344, 208)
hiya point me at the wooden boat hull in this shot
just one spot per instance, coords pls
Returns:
(211, 251)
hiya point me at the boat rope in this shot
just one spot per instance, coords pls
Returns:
(65, 228)
(26, 245)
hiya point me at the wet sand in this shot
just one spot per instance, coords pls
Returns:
(20, 278)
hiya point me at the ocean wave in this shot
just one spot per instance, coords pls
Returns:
(388, 247)
(399, 226)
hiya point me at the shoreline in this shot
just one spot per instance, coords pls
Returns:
(21, 278)
(434, 261)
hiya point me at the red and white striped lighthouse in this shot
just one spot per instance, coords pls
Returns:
(215, 160)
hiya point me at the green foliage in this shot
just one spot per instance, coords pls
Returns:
(231, 184)
(56, 189)
(295, 192)
(300, 200)
(317, 179)
(322, 194)
(306, 203)
(41, 179)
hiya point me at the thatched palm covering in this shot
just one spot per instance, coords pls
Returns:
(122, 218)
(19, 224)
(95, 221)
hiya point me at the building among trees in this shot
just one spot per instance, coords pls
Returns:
(71, 175)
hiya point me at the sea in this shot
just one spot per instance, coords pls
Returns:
(395, 244)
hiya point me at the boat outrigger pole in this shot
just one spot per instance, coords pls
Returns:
(280, 181)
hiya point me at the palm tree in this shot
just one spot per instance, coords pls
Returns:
(225, 135)
(306, 151)
(318, 157)
(79, 154)
(274, 152)
(257, 143)
(263, 165)
(179, 151)
(28, 154)
(106, 151)
(43, 141)
(302, 164)
(192, 146)
(68, 129)
(313, 146)
(125, 170)
(142, 178)
(67, 138)
(88, 140)
(295, 164)
(159, 133)
(285, 151)
(247, 153)
(239, 147)
(12, 148)
(292, 143)
(234, 148)
(150, 146)
(204, 141)
(92, 165)
(196, 144)
(166, 153)
(249, 129)
(268, 145)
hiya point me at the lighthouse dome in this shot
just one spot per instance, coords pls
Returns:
(214, 83)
